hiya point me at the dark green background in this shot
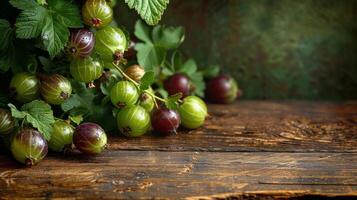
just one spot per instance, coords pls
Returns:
(276, 49)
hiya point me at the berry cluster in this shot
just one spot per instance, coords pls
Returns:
(94, 51)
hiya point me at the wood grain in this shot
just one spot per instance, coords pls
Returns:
(262, 126)
(248, 150)
(139, 174)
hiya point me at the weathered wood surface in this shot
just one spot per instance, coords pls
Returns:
(116, 174)
(263, 126)
(267, 150)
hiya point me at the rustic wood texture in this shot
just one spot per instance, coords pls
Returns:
(262, 126)
(266, 150)
(117, 174)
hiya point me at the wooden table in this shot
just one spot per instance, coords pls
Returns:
(250, 149)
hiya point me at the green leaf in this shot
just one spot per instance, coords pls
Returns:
(55, 35)
(16, 113)
(6, 46)
(149, 10)
(29, 23)
(168, 37)
(199, 84)
(150, 56)
(211, 71)
(67, 12)
(24, 4)
(176, 60)
(37, 113)
(51, 22)
(86, 102)
(142, 31)
(6, 33)
(41, 2)
(76, 119)
(172, 101)
(152, 52)
(107, 85)
(166, 72)
(147, 80)
(189, 67)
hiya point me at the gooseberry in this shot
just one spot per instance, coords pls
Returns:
(193, 112)
(165, 121)
(24, 87)
(29, 147)
(135, 72)
(110, 45)
(86, 69)
(81, 43)
(7, 123)
(55, 89)
(61, 137)
(89, 138)
(178, 83)
(124, 93)
(221, 89)
(147, 102)
(97, 13)
(133, 121)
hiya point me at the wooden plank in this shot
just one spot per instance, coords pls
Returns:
(262, 126)
(159, 174)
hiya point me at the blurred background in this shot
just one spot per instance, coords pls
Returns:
(275, 49)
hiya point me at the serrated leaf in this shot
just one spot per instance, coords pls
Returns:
(189, 67)
(37, 113)
(68, 13)
(16, 113)
(6, 46)
(142, 31)
(150, 56)
(51, 22)
(168, 37)
(147, 80)
(29, 23)
(55, 35)
(24, 4)
(149, 10)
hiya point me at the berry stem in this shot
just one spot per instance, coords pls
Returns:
(137, 84)
(154, 96)
(126, 76)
